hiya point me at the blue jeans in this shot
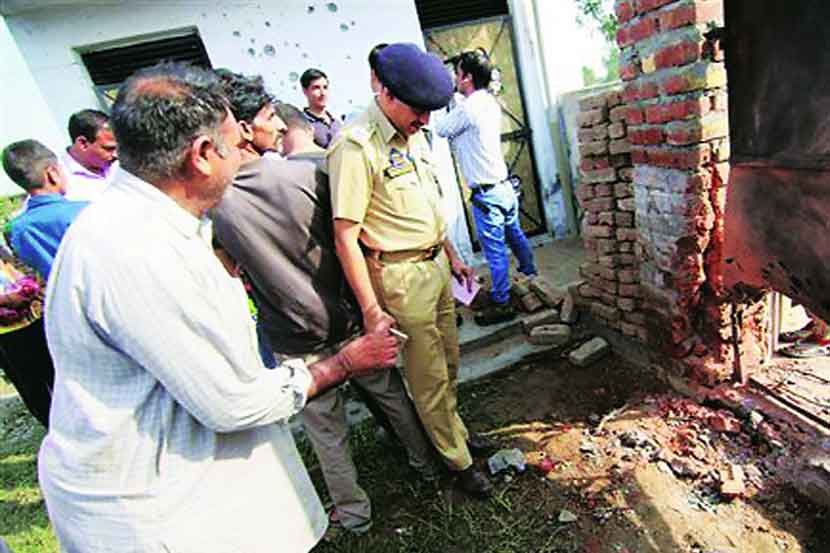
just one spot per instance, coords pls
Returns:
(496, 213)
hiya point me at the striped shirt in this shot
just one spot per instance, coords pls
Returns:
(166, 432)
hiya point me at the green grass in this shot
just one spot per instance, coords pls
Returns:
(23, 521)
(8, 205)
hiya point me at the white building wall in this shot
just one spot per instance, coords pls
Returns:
(531, 61)
(23, 109)
(277, 39)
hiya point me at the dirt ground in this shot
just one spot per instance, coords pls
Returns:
(632, 468)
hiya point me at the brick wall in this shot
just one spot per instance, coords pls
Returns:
(673, 107)
(611, 291)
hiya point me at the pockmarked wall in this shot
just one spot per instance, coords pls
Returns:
(278, 40)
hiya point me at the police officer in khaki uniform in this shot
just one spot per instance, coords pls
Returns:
(390, 240)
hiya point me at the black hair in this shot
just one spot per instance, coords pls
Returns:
(311, 75)
(293, 117)
(477, 64)
(246, 94)
(158, 112)
(86, 123)
(25, 162)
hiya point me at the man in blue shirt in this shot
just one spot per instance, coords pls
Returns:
(36, 233)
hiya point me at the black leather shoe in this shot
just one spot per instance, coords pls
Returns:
(481, 445)
(474, 482)
(495, 314)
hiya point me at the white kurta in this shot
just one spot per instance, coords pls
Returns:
(166, 432)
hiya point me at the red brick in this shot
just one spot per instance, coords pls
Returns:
(678, 54)
(608, 282)
(697, 76)
(599, 205)
(714, 125)
(639, 156)
(623, 189)
(606, 219)
(603, 190)
(591, 218)
(627, 234)
(613, 98)
(596, 148)
(617, 113)
(628, 276)
(684, 109)
(624, 219)
(591, 117)
(596, 231)
(625, 10)
(599, 175)
(620, 146)
(629, 70)
(601, 162)
(636, 90)
(608, 299)
(645, 135)
(630, 290)
(616, 130)
(649, 5)
(723, 422)
(594, 101)
(606, 246)
(584, 193)
(634, 115)
(673, 157)
(636, 30)
(697, 12)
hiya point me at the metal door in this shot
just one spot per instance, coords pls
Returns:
(778, 198)
(495, 35)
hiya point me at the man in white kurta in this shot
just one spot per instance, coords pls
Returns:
(167, 433)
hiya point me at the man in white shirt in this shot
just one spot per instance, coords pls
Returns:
(89, 160)
(167, 433)
(473, 127)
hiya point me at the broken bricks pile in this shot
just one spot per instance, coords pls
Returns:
(553, 312)
(605, 193)
(720, 455)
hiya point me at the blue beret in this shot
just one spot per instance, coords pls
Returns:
(414, 76)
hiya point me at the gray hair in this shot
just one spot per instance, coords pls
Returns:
(159, 111)
(25, 162)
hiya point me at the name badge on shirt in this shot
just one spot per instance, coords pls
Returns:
(399, 164)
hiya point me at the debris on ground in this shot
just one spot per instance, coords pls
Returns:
(567, 516)
(504, 459)
(590, 351)
(550, 334)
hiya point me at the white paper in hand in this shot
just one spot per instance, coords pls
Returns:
(460, 292)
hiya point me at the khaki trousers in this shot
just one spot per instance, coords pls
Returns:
(418, 295)
(324, 418)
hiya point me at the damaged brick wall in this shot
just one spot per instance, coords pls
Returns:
(611, 271)
(674, 110)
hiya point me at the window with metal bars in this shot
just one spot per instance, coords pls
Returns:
(109, 67)
(437, 13)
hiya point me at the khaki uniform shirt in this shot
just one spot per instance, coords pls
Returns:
(386, 183)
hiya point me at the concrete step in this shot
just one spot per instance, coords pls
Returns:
(482, 356)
